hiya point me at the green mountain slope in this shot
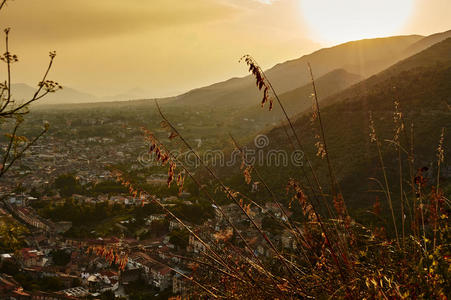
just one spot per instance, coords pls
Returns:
(420, 83)
(299, 99)
(427, 42)
(437, 56)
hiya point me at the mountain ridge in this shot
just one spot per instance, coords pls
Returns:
(421, 87)
(290, 75)
(362, 57)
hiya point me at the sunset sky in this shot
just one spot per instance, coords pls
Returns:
(166, 47)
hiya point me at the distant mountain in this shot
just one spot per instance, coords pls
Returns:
(23, 92)
(421, 83)
(132, 94)
(300, 99)
(436, 57)
(427, 42)
(363, 58)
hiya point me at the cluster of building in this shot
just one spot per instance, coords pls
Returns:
(89, 274)
(87, 158)
(156, 262)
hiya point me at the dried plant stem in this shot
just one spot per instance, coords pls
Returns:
(20, 154)
(298, 141)
(208, 195)
(329, 245)
(399, 128)
(203, 287)
(226, 190)
(8, 149)
(374, 138)
(440, 158)
(36, 96)
(203, 263)
(401, 194)
(286, 226)
(2, 3)
(5, 110)
(420, 198)
(289, 225)
(216, 257)
(409, 210)
(260, 178)
(284, 126)
(8, 62)
(410, 159)
(387, 189)
(333, 181)
(412, 180)
(8, 109)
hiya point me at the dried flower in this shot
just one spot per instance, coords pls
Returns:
(373, 137)
(46, 125)
(247, 174)
(321, 150)
(9, 58)
(260, 81)
(301, 198)
(339, 204)
(377, 207)
(180, 181)
(50, 86)
(440, 150)
(314, 109)
(397, 120)
(173, 135)
(171, 170)
(223, 235)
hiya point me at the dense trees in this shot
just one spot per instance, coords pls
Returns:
(68, 185)
(179, 238)
(60, 257)
(11, 236)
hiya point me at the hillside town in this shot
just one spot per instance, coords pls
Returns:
(136, 249)
(53, 156)
(225, 149)
(160, 261)
(83, 268)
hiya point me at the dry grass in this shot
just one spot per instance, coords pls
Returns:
(334, 256)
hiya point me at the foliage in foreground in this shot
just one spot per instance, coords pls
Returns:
(405, 256)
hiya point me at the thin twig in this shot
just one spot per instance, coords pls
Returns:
(226, 190)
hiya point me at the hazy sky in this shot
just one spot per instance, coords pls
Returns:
(165, 47)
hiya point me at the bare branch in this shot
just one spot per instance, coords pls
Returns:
(2, 4)
(20, 154)
(227, 191)
(8, 149)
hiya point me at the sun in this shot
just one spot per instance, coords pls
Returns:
(337, 21)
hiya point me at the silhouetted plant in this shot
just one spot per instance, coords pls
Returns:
(12, 112)
(334, 256)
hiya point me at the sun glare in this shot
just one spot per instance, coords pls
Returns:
(336, 21)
